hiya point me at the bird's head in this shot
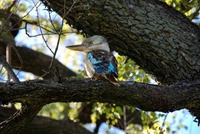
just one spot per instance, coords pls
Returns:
(95, 42)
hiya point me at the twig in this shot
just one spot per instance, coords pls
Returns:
(8, 68)
(8, 58)
(59, 34)
(12, 44)
(36, 5)
(11, 5)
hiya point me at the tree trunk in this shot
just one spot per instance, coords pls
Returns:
(157, 37)
(161, 40)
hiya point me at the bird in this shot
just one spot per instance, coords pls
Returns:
(100, 63)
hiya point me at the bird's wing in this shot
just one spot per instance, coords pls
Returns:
(103, 62)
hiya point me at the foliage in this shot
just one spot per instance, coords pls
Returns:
(42, 28)
(130, 71)
(189, 7)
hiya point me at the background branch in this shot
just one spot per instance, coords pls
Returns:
(20, 119)
(39, 62)
(51, 126)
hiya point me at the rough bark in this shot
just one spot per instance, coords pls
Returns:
(157, 37)
(20, 119)
(32, 61)
(160, 98)
(51, 126)
(145, 96)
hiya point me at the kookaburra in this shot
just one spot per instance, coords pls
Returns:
(99, 61)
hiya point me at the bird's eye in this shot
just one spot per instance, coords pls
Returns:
(90, 43)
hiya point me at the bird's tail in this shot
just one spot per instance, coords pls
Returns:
(111, 78)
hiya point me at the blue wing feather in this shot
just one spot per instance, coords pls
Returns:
(103, 62)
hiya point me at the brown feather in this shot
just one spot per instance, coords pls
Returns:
(109, 77)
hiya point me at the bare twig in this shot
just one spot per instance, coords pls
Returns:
(60, 32)
(8, 58)
(12, 44)
(11, 5)
(125, 118)
(50, 32)
(8, 38)
(59, 35)
(36, 5)
(8, 68)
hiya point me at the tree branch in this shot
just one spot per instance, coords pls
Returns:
(20, 119)
(44, 125)
(145, 96)
(39, 62)
(161, 40)
(8, 68)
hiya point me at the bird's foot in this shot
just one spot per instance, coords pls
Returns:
(93, 78)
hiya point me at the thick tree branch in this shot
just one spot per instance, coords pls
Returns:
(44, 125)
(35, 62)
(157, 37)
(145, 96)
(20, 119)
(160, 39)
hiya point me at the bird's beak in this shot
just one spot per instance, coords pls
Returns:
(79, 47)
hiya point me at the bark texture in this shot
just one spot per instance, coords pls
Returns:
(160, 98)
(51, 126)
(20, 119)
(157, 37)
(148, 97)
(37, 63)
